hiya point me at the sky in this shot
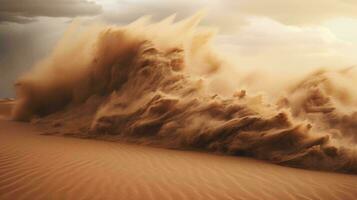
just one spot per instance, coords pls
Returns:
(272, 34)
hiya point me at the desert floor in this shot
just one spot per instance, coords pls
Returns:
(36, 166)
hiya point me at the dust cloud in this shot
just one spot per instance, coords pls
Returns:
(164, 84)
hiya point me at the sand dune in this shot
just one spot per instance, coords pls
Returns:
(35, 166)
(134, 83)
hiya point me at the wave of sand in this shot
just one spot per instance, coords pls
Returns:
(35, 166)
(153, 83)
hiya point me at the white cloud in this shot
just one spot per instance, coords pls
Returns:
(272, 45)
(296, 11)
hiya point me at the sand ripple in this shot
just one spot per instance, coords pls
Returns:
(34, 166)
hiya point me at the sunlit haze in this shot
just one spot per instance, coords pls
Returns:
(269, 34)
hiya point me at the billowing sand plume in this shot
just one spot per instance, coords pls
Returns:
(151, 84)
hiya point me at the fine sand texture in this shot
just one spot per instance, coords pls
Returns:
(37, 166)
(5, 108)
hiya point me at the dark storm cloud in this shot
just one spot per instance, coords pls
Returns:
(22, 45)
(11, 17)
(23, 11)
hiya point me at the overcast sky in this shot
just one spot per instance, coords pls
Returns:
(280, 34)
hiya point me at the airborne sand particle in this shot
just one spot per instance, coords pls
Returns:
(153, 83)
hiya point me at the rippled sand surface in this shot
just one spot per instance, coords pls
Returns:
(37, 166)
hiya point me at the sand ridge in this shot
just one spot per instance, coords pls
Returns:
(35, 166)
